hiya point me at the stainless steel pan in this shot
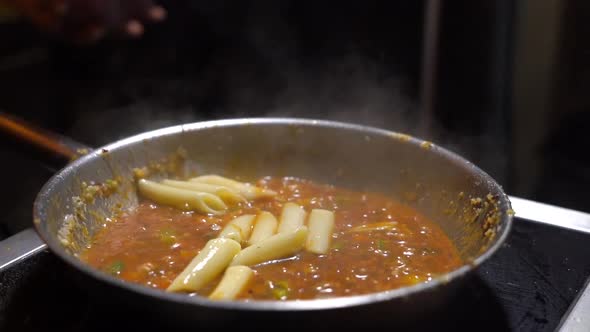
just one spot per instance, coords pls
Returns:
(467, 203)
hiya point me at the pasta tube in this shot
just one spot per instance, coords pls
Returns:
(226, 194)
(181, 198)
(206, 266)
(235, 279)
(292, 217)
(247, 190)
(321, 226)
(238, 229)
(264, 227)
(277, 246)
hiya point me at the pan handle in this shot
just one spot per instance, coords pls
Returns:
(27, 243)
(551, 214)
(20, 247)
(40, 138)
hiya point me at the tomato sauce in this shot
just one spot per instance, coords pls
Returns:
(378, 244)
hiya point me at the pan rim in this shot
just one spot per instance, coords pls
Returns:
(268, 305)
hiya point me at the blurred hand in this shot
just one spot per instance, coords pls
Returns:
(90, 20)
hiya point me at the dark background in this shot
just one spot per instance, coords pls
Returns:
(509, 90)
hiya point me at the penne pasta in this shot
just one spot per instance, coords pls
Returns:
(265, 226)
(226, 194)
(292, 217)
(206, 266)
(247, 190)
(238, 229)
(235, 279)
(321, 226)
(277, 246)
(181, 198)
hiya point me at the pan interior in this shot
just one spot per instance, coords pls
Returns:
(468, 205)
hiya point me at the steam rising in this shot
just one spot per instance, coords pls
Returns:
(261, 62)
(348, 89)
(266, 68)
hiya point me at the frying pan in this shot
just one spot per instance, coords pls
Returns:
(466, 202)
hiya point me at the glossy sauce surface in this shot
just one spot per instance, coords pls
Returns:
(152, 245)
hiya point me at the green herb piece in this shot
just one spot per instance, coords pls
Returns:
(337, 245)
(168, 236)
(381, 244)
(116, 268)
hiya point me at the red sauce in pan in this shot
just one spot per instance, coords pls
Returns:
(152, 245)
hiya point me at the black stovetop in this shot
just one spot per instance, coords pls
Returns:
(526, 286)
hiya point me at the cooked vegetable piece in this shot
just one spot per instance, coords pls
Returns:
(239, 229)
(206, 266)
(292, 218)
(181, 198)
(265, 226)
(168, 236)
(228, 195)
(378, 226)
(116, 268)
(280, 245)
(321, 226)
(234, 281)
(280, 290)
(245, 189)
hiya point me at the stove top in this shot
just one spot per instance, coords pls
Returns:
(527, 285)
